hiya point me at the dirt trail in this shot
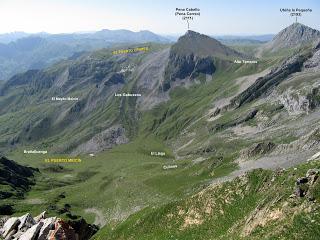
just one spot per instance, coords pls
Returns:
(99, 220)
(268, 162)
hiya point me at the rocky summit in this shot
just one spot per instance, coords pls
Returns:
(292, 36)
(201, 45)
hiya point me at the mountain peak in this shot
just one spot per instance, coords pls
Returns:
(298, 28)
(201, 45)
(295, 35)
(193, 35)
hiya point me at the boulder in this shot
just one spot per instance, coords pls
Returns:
(48, 224)
(11, 224)
(32, 233)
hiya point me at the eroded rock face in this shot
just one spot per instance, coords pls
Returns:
(264, 84)
(181, 67)
(294, 103)
(48, 224)
(297, 102)
(32, 232)
(105, 140)
(313, 64)
(26, 221)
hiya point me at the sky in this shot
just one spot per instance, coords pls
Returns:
(224, 17)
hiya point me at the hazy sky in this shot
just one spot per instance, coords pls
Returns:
(217, 17)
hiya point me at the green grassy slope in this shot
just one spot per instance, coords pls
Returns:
(259, 205)
(117, 182)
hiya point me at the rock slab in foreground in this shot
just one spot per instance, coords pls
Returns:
(42, 228)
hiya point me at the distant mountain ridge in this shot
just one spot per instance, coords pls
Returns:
(35, 51)
(13, 36)
(122, 35)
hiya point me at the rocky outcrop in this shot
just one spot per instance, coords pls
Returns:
(150, 77)
(258, 149)
(105, 140)
(181, 67)
(308, 142)
(263, 85)
(42, 228)
(298, 101)
(31, 233)
(313, 63)
(242, 119)
(83, 229)
(26, 221)
(48, 225)
(294, 102)
(314, 98)
(305, 186)
(9, 227)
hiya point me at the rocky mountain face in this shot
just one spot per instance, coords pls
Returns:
(295, 35)
(194, 54)
(264, 84)
(71, 91)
